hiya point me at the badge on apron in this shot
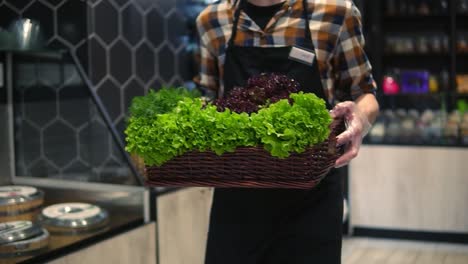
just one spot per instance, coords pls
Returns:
(302, 55)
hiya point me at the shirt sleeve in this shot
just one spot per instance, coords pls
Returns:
(209, 74)
(351, 67)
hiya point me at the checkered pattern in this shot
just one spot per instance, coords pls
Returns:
(336, 32)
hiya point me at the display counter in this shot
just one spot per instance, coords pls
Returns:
(410, 190)
(58, 138)
(125, 207)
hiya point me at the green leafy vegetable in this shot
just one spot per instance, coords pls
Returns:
(188, 127)
(159, 102)
(284, 128)
(280, 127)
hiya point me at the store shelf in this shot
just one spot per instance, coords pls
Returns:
(417, 58)
(420, 19)
(419, 23)
(414, 95)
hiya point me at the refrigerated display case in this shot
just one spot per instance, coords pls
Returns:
(57, 138)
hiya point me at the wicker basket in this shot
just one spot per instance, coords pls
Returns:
(249, 167)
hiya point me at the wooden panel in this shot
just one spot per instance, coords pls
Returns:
(431, 258)
(402, 257)
(410, 188)
(183, 219)
(456, 259)
(137, 247)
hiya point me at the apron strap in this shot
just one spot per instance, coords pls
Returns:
(305, 15)
(235, 23)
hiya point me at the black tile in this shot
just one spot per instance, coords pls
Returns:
(28, 144)
(187, 67)
(165, 6)
(156, 84)
(78, 171)
(57, 44)
(107, 171)
(106, 21)
(40, 104)
(144, 4)
(98, 57)
(71, 21)
(57, 2)
(167, 60)
(177, 82)
(20, 4)
(109, 93)
(155, 29)
(25, 75)
(42, 169)
(71, 76)
(83, 56)
(130, 91)
(177, 29)
(120, 126)
(72, 98)
(144, 62)
(7, 15)
(121, 2)
(115, 172)
(49, 74)
(94, 143)
(60, 144)
(120, 62)
(132, 24)
(44, 16)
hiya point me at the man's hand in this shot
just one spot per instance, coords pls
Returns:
(358, 117)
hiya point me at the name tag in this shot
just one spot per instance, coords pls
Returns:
(302, 55)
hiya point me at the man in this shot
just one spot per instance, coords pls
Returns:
(325, 55)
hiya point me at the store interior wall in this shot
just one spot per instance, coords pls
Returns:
(121, 44)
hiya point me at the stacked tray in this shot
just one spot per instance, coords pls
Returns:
(73, 218)
(22, 238)
(19, 203)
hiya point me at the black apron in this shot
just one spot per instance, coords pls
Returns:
(269, 226)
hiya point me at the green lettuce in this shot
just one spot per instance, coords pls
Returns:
(190, 125)
(283, 128)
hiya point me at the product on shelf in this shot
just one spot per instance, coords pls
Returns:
(419, 43)
(20, 238)
(462, 42)
(421, 7)
(414, 81)
(19, 202)
(397, 81)
(462, 6)
(73, 218)
(390, 85)
(462, 83)
(420, 127)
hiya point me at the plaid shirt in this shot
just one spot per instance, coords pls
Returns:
(336, 32)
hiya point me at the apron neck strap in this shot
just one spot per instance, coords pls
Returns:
(236, 22)
(305, 15)
(240, 5)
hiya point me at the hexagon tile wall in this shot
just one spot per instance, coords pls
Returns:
(121, 43)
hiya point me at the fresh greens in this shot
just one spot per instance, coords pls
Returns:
(281, 127)
(188, 127)
(159, 102)
(284, 128)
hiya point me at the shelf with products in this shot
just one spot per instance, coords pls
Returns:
(418, 56)
(411, 8)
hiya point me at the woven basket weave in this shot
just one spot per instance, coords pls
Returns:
(249, 167)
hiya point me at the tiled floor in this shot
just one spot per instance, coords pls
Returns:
(380, 251)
